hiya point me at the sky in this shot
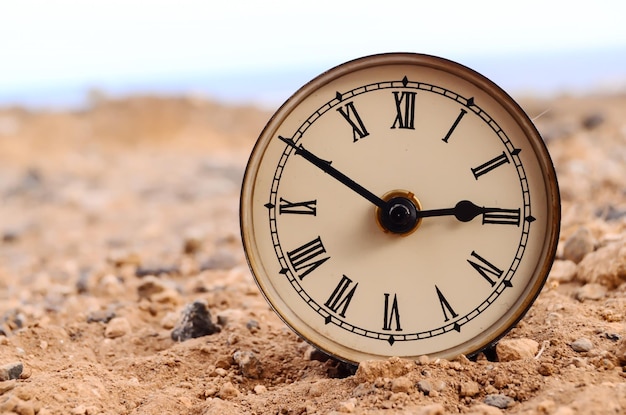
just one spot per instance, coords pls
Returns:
(49, 46)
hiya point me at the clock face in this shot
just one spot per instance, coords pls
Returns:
(400, 205)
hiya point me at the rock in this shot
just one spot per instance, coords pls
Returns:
(469, 389)
(435, 409)
(578, 245)
(253, 326)
(260, 389)
(249, 364)
(7, 385)
(156, 290)
(11, 371)
(606, 266)
(591, 291)
(482, 409)
(117, 327)
(563, 271)
(592, 121)
(393, 367)
(581, 345)
(621, 353)
(100, 316)
(499, 401)
(195, 322)
(228, 391)
(347, 407)
(401, 384)
(425, 387)
(516, 349)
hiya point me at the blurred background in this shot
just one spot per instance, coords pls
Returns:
(55, 54)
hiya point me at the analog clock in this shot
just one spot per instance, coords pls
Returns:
(400, 205)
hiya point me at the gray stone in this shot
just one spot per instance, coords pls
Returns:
(195, 322)
(578, 245)
(581, 345)
(498, 400)
(11, 371)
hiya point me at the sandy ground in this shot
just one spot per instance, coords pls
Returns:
(115, 219)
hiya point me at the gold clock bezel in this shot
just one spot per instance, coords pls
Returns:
(548, 251)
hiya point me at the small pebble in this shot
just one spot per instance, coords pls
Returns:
(434, 409)
(563, 271)
(581, 345)
(260, 389)
(249, 364)
(425, 387)
(195, 322)
(11, 371)
(594, 120)
(401, 384)
(100, 316)
(591, 291)
(253, 326)
(469, 389)
(509, 350)
(578, 245)
(348, 406)
(117, 327)
(499, 401)
(228, 391)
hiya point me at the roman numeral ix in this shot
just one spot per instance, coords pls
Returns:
(298, 208)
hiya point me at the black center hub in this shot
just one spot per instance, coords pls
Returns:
(399, 215)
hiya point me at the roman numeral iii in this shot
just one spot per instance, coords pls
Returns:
(353, 118)
(405, 110)
(341, 297)
(308, 257)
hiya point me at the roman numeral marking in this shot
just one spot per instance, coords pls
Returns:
(391, 313)
(490, 165)
(485, 268)
(445, 306)
(456, 123)
(298, 208)
(405, 114)
(308, 257)
(502, 216)
(352, 116)
(340, 298)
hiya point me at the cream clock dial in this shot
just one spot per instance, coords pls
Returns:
(400, 205)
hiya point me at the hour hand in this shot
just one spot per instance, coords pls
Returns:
(326, 167)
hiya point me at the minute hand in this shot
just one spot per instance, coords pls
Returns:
(333, 172)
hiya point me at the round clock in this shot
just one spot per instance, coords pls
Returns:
(400, 205)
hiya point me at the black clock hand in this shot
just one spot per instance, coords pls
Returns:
(464, 211)
(333, 172)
